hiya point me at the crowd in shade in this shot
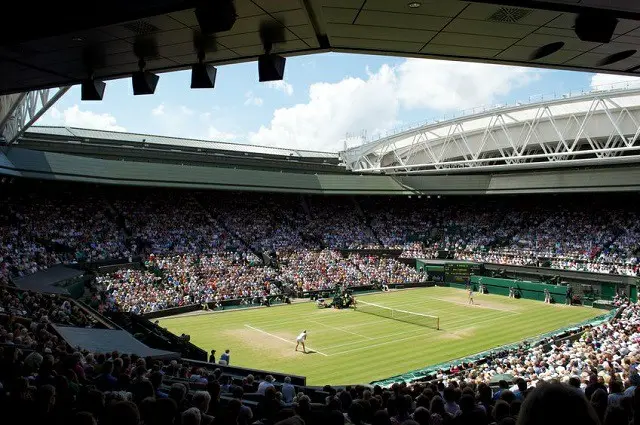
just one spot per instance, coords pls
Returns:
(592, 381)
(165, 222)
(41, 309)
(46, 224)
(37, 232)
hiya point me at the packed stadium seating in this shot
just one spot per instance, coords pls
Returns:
(207, 246)
(589, 381)
(99, 222)
(204, 247)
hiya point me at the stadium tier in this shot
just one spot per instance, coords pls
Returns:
(400, 315)
(157, 280)
(119, 258)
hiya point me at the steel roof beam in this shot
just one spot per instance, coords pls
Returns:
(21, 111)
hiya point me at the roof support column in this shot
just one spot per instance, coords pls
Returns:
(19, 111)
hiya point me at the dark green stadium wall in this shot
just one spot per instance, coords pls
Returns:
(528, 290)
(171, 173)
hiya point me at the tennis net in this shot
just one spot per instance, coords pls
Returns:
(401, 315)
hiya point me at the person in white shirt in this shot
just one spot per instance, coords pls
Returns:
(300, 340)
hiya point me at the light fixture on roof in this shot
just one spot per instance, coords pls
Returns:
(271, 66)
(144, 82)
(203, 75)
(414, 4)
(92, 89)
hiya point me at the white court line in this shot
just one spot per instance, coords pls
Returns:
(285, 340)
(432, 311)
(412, 331)
(465, 320)
(492, 319)
(476, 305)
(353, 350)
(280, 322)
(340, 329)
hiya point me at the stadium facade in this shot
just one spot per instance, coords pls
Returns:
(572, 143)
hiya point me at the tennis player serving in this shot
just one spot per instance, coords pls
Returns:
(300, 340)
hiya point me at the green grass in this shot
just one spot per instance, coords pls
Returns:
(353, 347)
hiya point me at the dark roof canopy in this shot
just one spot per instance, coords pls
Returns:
(61, 43)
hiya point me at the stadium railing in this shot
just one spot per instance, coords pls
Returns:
(241, 372)
(419, 319)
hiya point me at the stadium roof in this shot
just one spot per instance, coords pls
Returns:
(92, 156)
(77, 135)
(579, 104)
(61, 43)
(588, 129)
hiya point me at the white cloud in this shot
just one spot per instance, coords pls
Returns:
(252, 100)
(158, 110)
(282, 86)
(181, 121)
(186, 111)
(222, 136)
(612, 81)
(74, 117)
(374, 104)
(452, 86)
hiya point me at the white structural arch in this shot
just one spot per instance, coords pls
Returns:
(596, 128)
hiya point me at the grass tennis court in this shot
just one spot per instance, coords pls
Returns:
(352, 347)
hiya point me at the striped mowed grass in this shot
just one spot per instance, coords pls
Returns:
(350, 347)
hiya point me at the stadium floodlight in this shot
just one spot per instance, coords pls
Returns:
(144, 82)
(419, 319)
(271, 67)
(203, 76)
(92, 90)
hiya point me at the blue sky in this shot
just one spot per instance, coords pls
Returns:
(323, 99)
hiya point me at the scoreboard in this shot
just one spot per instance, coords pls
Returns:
(460, 272)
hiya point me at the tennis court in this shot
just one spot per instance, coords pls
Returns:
(353, 347)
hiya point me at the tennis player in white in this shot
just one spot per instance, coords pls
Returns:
(300, 340)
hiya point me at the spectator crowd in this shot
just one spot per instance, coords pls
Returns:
(592, 380)
(178, 280)
(208, 246)
(204, 247)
